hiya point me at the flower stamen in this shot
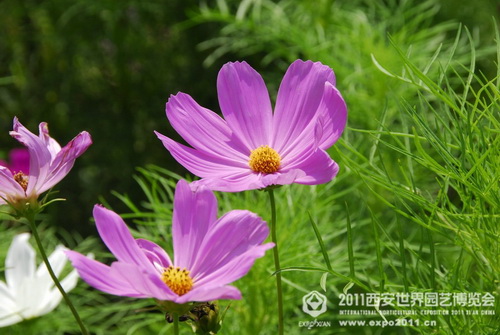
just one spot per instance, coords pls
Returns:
(264, 159)
(179, 281)
(21, 179)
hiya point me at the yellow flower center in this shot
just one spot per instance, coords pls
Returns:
(264, 159)
(179, 281)
(21, 179)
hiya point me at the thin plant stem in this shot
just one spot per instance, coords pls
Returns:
(276, 261)
(176, 323)
(402, 253)
(350, 251)
(31, 220)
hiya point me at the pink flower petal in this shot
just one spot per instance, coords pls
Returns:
(194, 214)
(40, 156)
(249, 180)
(207, 293)
(237, 182)
(147, 284)
(282, 178)
(322, 132)
(49, 142)
(154, 253)
(117, 237)
(299, 97)
(332, 117)
(102, 277)
(203, 129)
(64, 160)
(235, 236)
(245, 103)
(9, 188)
(301, 147)
(236, 268)
(318, 169)
(200, 163)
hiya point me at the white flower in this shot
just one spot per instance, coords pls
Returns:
(30, 292)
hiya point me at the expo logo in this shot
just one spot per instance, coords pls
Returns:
(314, 303)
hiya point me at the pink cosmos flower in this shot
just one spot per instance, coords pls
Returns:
(252, 147)
(19, 161)
(209, 253)
(48, 163)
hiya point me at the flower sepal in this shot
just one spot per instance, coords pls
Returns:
(270, 187)
(24, 208)
(28, 207)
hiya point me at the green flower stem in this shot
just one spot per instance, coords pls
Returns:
(276, 261)
(31, 219)
(176, 323)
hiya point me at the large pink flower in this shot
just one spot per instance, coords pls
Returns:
(48, 163)
(209, 253)
(252, 147)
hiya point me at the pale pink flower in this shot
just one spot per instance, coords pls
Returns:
(48, 163)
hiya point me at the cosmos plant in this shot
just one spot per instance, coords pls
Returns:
(253, 147)
(22, 184)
